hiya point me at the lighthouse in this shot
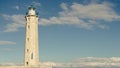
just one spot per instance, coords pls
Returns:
(31, 53)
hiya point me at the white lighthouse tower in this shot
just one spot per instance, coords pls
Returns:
(31, 57)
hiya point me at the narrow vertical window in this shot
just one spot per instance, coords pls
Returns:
(28, 27)
(28, 39)
(28, 19)
(32, 56)
(27, 50)
(27, 63)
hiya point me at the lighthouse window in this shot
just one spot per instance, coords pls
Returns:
(27, 50)
(32, 56)
(27, 63)
(28, 19)
(28, 26)
(28, 39)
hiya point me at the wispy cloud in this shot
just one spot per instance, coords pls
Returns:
(89, 62)
(37, 4)
(16, 7)
(16, 22)
(7, 43)
(88, 16)
(11, 64)
(6, 49)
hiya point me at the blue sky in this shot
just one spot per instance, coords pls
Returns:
(68, 29)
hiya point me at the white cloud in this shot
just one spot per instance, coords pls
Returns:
(16, 7)
(84, 16)
(88, 62)
(88, 16)
(7, 43)
(11, 64)
(6, 49)
(17, 21)
(37, 4)
(64, 6)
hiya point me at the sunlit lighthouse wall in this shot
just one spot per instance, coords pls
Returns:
(31, 54)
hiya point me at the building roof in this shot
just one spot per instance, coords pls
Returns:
(32, 7)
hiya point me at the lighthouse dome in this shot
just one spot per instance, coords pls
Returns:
(31, 10)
